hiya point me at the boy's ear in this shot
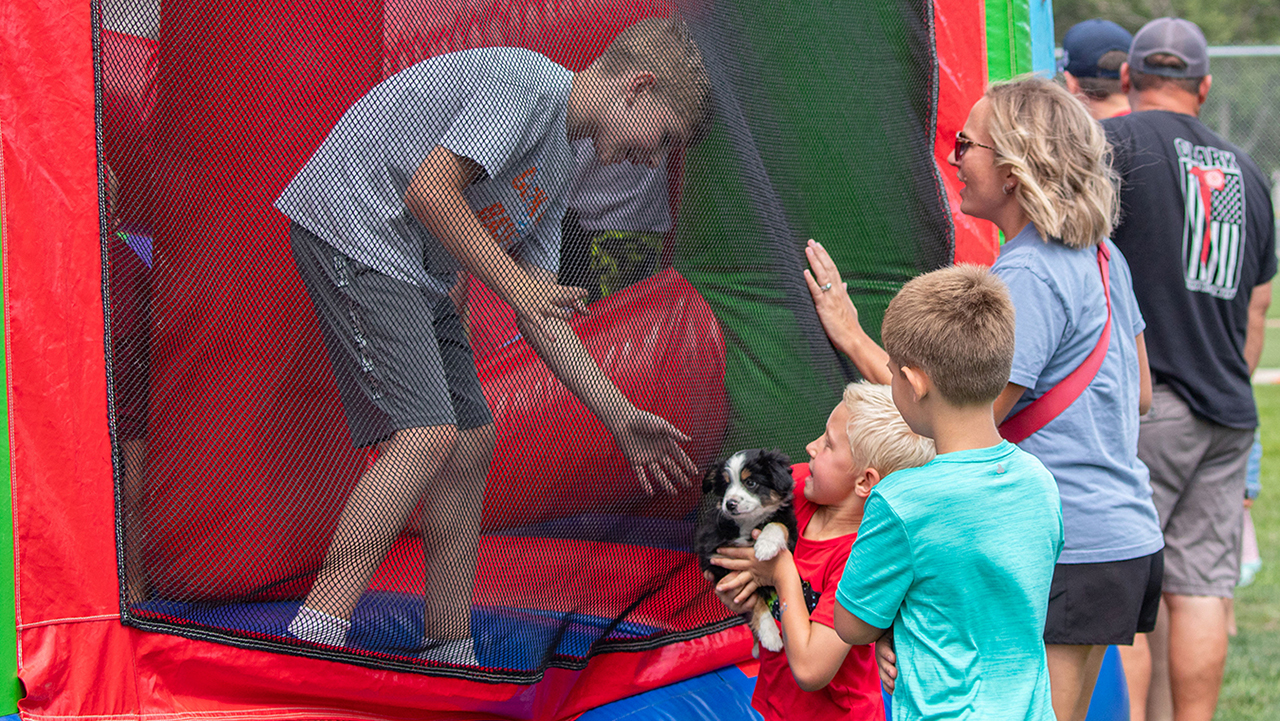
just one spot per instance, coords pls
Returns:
(868, 480)
(640, 82)
(918, 380)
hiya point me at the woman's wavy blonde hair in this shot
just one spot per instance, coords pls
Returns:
(1061, 158)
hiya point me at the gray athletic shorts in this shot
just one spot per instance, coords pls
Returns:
(1197, 482)
(400, 355)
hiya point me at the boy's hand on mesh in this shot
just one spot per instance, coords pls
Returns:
(542, 301)
(887, 660)
(652, 446)
(737, 591)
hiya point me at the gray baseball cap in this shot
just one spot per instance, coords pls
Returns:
(1174, 36)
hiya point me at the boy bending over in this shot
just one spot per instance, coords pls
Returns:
(957, 555)
(817, 675)
(462, 163)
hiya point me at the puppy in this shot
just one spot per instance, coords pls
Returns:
(748, 490)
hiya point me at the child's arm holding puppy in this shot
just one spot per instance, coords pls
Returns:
(814, 651)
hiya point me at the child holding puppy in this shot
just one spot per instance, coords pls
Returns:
(957, 556)
(818, 676)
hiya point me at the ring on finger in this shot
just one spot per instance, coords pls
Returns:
(825, 287)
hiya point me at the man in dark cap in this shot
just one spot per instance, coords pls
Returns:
(1198, 231)
(1092, 53)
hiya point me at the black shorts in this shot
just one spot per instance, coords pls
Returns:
(1104, 603)
(400, 355)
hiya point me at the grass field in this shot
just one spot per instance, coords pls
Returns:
(1251, 689)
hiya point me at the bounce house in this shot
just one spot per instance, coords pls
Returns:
(176, 444)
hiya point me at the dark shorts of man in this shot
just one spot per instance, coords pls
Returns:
(399, 354)
(1198, 471)
(1094, 604)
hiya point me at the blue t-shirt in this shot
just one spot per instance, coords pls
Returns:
(958, 555)
(504, 108)
(1091, 447)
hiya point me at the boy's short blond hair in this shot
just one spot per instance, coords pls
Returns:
(955, 324)
(664, 47)
(878, 436)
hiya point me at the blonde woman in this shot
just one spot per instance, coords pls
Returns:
(1034, 162)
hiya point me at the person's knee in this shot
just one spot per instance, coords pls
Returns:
(432, 443)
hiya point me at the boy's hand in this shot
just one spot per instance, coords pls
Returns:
(542, 301)
(651, 445)
(737, 591)
(743, 558)
(887, 660)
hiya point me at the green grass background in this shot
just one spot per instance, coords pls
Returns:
(1251, 687)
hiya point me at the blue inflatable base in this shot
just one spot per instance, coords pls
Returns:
(725, 695)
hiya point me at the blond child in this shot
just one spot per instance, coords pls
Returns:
(817, 675)
(956, 556)
(462, 163)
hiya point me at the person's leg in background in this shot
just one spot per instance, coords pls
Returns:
(1201, 513)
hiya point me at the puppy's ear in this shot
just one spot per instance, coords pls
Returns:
(779, 465)
(709, 478)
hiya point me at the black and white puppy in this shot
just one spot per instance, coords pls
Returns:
(748, 490)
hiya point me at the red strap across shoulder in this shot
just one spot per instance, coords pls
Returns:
(1037, 415)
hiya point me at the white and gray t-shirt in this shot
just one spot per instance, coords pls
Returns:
(501, 107)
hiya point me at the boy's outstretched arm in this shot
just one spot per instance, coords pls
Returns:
(435, 198)
(814, 651)
(651, 444)
(854, 630)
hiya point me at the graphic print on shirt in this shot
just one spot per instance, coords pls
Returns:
(1213, 233)
(509, 211)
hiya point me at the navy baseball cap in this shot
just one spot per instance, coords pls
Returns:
(1173, 36)
(1086, 42)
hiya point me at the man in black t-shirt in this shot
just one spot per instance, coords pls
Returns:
(1198, 230)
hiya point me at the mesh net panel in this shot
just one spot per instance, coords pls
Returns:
(329, 442)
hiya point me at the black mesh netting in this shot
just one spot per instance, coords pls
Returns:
(326, 446)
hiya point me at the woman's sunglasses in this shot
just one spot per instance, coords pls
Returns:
(963, 144)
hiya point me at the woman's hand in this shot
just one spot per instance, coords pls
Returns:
(830, 295)
(840, 318)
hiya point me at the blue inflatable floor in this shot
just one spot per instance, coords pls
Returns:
(386, 622)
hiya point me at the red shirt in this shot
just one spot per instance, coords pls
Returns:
(854, 693)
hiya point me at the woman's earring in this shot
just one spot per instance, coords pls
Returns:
(1008, 189)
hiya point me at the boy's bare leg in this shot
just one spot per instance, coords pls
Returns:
(451, 533)
(1197, 654)
(1073, 671)
(375, 514)
(1136, 660)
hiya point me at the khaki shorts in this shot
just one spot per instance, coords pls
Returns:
(1197, 483)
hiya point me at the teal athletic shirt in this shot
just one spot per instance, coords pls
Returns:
(957, 555)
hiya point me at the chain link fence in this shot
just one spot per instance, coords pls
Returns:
(1243, 107)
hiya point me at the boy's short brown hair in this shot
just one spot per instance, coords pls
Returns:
(955, 324)
(878, 436)
(664, 47)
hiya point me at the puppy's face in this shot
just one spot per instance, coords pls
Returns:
(753, 484)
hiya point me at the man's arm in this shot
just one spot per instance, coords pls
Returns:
(1256, 331)
(853, 630)
(650, 443)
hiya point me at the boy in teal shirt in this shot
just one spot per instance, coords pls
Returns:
(956, 555)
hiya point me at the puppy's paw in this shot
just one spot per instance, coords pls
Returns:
(772, 539)
(770, 636)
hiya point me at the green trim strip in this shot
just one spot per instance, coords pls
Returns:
(1008, 39)
(10, 686)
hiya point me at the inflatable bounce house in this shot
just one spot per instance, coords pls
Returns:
(179, 455)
